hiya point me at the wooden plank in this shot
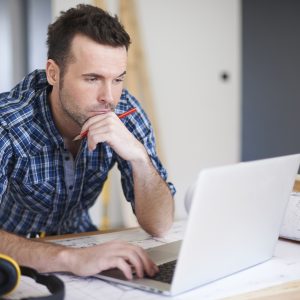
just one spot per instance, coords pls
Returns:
(137, 79)
(297, 186)
(106, 190)
(83, 234)
(286, 291)
(100, 3)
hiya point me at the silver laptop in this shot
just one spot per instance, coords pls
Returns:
(233, 224)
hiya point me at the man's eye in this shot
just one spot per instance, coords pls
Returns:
(118, 80)
(91, 79)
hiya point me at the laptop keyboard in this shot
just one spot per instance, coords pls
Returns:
(166, 272)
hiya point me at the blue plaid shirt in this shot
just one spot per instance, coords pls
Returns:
(34, 194)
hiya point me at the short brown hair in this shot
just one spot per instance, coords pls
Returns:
(89, 21)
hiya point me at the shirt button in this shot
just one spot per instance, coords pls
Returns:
(67, 158)
(71, 187)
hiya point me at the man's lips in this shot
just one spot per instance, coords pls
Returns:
(99, 112)
(102, 111)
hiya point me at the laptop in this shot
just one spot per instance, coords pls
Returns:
(233, 224)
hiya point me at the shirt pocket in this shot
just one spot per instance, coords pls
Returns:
(36, 197)
(33, 185)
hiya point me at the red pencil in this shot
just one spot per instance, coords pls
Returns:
(121, 116)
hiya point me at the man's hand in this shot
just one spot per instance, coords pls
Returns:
(115, 254)
(49, 257)
(109, 128)
(154, 204)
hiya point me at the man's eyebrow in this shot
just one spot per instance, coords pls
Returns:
(92, 75)
(99, 75)
(121, 74)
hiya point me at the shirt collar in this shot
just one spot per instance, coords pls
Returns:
(123, 104)
(47, 118)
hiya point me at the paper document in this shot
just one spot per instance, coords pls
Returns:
(291, 223)
(135, 236)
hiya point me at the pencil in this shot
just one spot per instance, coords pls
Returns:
(121, 116)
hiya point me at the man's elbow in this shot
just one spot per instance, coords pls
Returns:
(160, 232)
(158, 229)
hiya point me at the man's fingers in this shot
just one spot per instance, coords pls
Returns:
(129, 254)
(133, 258)
(95, 120)
(115, 254)
(148, 265)
(121, 264)
(95, 139)
(100, 132)
(128, 262)
(137, 257)
(140, 260)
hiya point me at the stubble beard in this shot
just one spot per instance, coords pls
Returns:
(70, 111)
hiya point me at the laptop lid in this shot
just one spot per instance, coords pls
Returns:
(233, 224)
(234, 220)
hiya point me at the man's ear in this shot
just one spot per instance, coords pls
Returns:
(52, 72)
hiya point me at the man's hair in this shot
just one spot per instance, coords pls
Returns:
(89, 21)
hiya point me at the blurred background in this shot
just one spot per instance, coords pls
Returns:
(219, 79)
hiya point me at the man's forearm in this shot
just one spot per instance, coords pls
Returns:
(154, 204)
(44, 257)
(48, 257)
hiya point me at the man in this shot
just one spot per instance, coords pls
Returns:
(47, 180)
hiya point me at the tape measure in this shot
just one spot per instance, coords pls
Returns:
(10, 276)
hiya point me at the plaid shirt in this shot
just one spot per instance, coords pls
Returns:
(34, 195)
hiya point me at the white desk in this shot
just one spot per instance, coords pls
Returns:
(282, 268)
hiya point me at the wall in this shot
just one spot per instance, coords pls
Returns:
(23, 26)
(39, 16)
(13, 43)
(271, 93)
(189, 45)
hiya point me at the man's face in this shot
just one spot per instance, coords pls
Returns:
(93, 81)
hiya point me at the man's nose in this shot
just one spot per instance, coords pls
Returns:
(105, 95)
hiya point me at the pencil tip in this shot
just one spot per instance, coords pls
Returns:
(78, 137)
